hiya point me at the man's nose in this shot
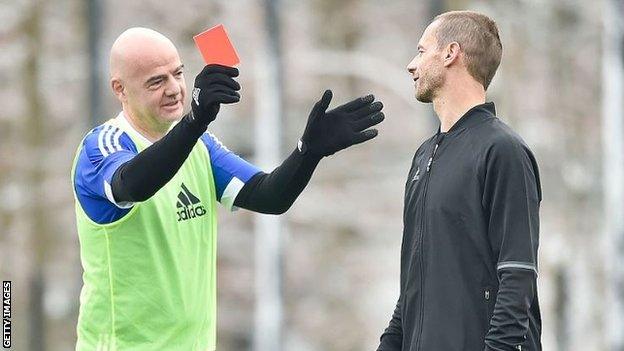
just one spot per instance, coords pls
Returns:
(173, 87)
(411, 67)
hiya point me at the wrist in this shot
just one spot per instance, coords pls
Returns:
(302, 147)
(303, 150)
(312, 146)
(194, 123)
(195, 119)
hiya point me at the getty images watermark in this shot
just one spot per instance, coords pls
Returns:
(6, 314)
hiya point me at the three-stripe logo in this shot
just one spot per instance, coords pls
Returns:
(108, 140)
(189, 206)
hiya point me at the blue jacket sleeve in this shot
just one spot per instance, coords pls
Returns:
(103, 151)
(230, 171)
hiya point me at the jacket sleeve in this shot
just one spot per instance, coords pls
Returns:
(511, 199)
(392, 337)
(275, 192)
(141, 177)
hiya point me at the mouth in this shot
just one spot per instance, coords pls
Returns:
(171, 105)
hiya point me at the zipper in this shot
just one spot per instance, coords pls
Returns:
(430, 162)
(439, 139)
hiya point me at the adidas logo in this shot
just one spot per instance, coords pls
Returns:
(417, 176)
(189, 206)
(196, 92)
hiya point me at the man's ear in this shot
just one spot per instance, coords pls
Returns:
(118, 89)
(451, 52)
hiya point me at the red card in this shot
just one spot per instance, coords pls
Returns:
(215, 47)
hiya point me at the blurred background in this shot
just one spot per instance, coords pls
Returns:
(324, 276)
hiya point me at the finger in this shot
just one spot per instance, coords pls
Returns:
(356, 103)
(219, 92)
(322, 105)
(215, 68)
(367, 110)
(364, 136)
(212, 96)
(218, 78)
(223, 98)
(368, 121)
(218, 87)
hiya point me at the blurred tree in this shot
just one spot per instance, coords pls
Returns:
(36, 146)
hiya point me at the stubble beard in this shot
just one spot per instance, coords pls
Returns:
(428, 88)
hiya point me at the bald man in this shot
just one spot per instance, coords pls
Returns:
(146, 185)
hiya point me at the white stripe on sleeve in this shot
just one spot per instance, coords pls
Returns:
(517, 265)
(116, 140)
(109, 195)
(230, 193)
(108, 139)
(101, 141)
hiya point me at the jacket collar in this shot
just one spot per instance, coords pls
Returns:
(473, 116)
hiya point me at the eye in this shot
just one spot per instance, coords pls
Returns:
(155, 84)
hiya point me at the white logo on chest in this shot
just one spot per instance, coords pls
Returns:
(417, 175)
(196, 92)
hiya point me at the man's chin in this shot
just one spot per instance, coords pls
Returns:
(424, 98)
(172, 116)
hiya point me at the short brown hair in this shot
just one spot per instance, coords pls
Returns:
(477, 36)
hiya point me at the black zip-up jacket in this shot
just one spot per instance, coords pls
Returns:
(470, 240)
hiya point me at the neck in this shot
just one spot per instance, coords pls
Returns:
(152, 130)
(452, 104)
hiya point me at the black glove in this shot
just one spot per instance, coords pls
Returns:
(337, 129)
(213, 86)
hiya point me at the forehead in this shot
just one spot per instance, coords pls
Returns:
(138, 57)
(428, 37)
(153, 62)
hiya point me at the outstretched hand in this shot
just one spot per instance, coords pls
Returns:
(330, 131)
(214, 86)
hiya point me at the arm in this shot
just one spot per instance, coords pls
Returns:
(142, 176)
(275, 192)
(511, 197)
(392, 337)
(326, 133)
(510, 321)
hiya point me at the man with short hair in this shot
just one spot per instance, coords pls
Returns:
(471, 216)
(146, 185)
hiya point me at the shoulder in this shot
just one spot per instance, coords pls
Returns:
(106, 139)
(508, 155)
(500, 148)
(216, 149)
(504, 151)
(212, 142)
(498, 138)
